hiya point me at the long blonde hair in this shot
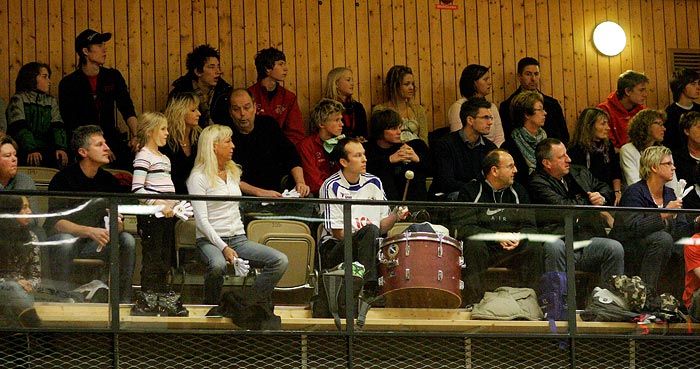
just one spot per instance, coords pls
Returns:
(148, 122)
(206, 161)
(175, 110)
(333, 76)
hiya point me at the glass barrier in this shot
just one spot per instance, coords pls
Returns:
(423, 267)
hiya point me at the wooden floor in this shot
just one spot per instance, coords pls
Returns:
(298, 318)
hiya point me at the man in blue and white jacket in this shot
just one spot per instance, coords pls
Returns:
(368, 221)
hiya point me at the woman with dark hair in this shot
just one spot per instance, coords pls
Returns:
(476, 82)
(528, 115)
(20, 269)
(339, 87)
(644, 130)
(34, 120)
(389, 159)
(400, 90)
(591, 147)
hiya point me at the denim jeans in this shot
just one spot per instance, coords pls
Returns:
(61, 260)
(273, 264)
(602, 255)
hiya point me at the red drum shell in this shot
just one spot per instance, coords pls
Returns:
(423, 289)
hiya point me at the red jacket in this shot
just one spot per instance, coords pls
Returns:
(619, 118)
(283, 107)
(315, 162)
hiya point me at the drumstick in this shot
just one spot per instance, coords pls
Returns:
(409, 176)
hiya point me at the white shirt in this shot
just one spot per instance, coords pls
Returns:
(216, 219)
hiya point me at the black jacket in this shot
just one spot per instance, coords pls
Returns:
(470, 221)
(218, 109)
(456, 164)
(545, 189)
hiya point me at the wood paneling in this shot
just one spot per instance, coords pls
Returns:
(151, 40)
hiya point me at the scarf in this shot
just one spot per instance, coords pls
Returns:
(601, 148)
(330, 143)
(526, 144)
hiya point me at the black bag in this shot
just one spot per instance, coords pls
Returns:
(330, 299)
(247, 311)
(158, 304)
(606, 306)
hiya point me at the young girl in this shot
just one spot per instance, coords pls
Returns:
(152, 175)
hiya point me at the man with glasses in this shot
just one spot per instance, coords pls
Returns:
(458, 156)
(529, 78)
(204, 79)
(493, 236)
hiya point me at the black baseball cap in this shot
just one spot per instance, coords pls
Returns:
(90, 37)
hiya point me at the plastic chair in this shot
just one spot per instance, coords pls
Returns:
(258, 228)
(300, 250)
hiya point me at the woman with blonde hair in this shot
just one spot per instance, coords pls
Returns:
(648, 237)
(645, 129)
(221, 238)
(152, 176)
(590, 146)
(340, 86)
(182, 113)
(400, 91)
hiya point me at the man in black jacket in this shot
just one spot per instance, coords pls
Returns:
(458, 156)
(89, 94)
(557, 182)
(496, 236)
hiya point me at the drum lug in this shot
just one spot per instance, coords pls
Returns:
(440, 250)
(380, 281)
(461, 284)
(408, 274)
(392, 263)
(407, 249)
(461, 262)
(440, 275)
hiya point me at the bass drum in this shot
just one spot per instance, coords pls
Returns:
(421, 270)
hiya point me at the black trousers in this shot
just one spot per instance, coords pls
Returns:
(157, 249)
(364, 250)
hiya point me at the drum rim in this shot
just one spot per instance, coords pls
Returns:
(420, 236)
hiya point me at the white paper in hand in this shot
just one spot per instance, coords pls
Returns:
(241, 267)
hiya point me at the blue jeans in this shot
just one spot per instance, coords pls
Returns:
(604, 255)
(14, 301)
(273, 262)
(61, 260)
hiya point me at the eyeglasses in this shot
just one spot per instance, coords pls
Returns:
(540, 109)
(661, 123)
(509, 167)
(487, 117)
(669, 163)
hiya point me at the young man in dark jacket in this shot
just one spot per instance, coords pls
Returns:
(496, 236)
(204, 79)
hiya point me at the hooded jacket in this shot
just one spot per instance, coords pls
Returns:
(619, 118)
(218, 107)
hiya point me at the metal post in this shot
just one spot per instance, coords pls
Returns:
(570, 281)
(114, 264)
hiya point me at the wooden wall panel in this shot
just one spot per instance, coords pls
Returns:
(151, 40)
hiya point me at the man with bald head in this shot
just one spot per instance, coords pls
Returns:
(506, 229)
(262, 149)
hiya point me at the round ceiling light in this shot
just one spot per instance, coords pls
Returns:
(609, 38)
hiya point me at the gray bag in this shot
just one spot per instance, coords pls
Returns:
(508, 303)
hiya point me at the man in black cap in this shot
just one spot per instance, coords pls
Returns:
(88, 95)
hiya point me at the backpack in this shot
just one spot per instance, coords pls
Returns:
(606, 306)
(631, 289)
(330, 298)
(553, 296)
(247, 311)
